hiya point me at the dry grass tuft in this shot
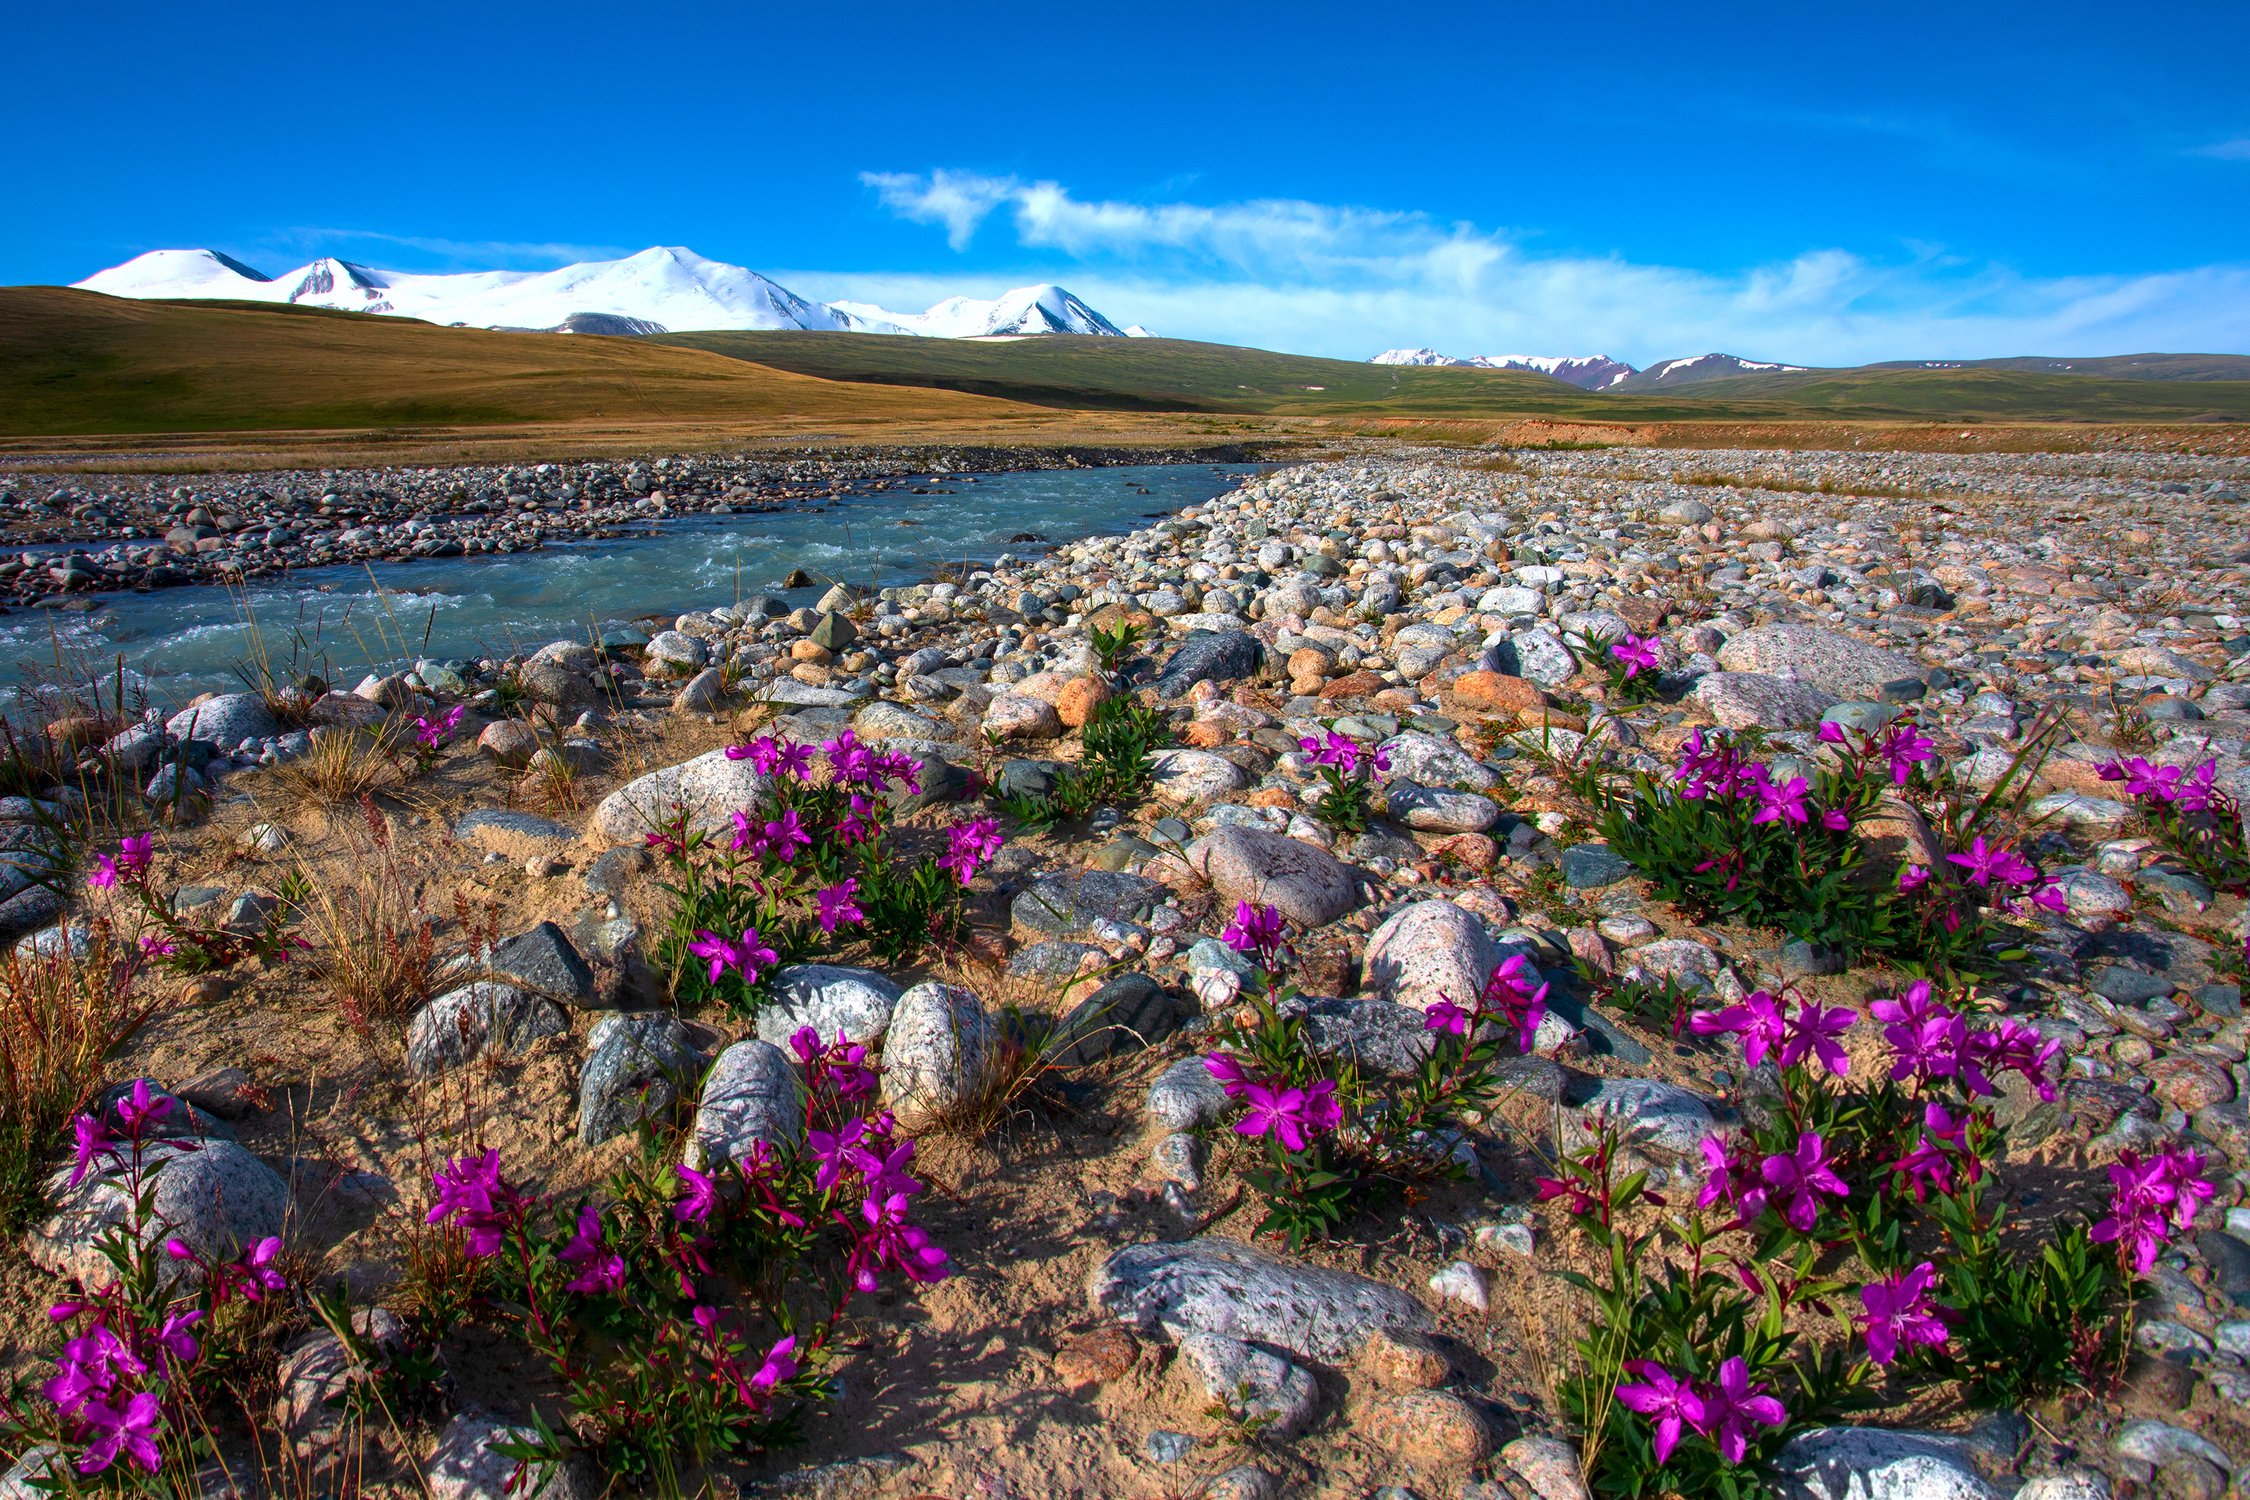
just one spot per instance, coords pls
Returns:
(344, 765)
(60, 1016)
(374, 946)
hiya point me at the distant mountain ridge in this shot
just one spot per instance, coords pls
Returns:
(663, 289)
(1588, 372)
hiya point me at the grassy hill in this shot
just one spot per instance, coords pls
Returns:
(100, 370)
(79, 362)
(2115, 367)
(1175, 375)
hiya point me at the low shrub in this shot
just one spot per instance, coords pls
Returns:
(1724, 1323)
(1723, 837)
(1334, 1141)
(2199, 822)
(1117, 748)
(153, 1347)
(814, 866)
(687, 1318)
(1349, 773)
(172, 939)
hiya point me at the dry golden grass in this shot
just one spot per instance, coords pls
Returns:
(60, 1016)
(374, 945)
(343, 765)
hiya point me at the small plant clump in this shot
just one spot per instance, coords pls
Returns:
(2197, 820)
(61, 1013)
(687, 1319)
(1117, 748)
(171, 939)
(1723, 1324)
(815, 864)
(1336, 1141)
(127, 1406)
(1724, 836)
(1631, 665)
(1349, 773)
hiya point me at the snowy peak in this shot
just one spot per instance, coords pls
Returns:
(1589, 372)
(178, 273)
(1698, 368)
(665, 288)
(1025, 311)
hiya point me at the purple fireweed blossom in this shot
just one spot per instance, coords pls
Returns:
(699, 1195)
(722, 954)
(2015, 1046)
(1815, 1030)
(849, 761)
(1781, 804)
(1293, 1116)
(1799, 1177)
(1731, 1404)
(835, 1153)
(971, 846)
(1445, 1016)
(1912, 879)
(838, 905)
(1670, 1404)
(1897, 1312)
(1759, 1020)
(473, 1195)
(780, 1364)
(1987, 862)
(759, 752)
(129, 1433)
(1637, 653)
(1905, 747)
(783, 837)
(1233, 1079)
(1928, 1165)
(1255, 930)
(1836, 820)
(1511, 995)
(1730, 1178)
(602, 1269)
(791, 760)
(89, 1139)
(2149, 1201)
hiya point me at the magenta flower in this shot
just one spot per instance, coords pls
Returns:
(1898, 1312)
(1511, 995)
(254, 1275)
(2149, 1200)
(780, 1364)
(1730, 1406)
(1836, 820)
(129, 1433)
(699, 1196)
(1911, 879)
(782, 837)
(1234, 1081)
(2013, 1046)
(1983, 861)
(90, 1138)
(838, 906)
(1638, 653)
(1255, 930)
(177, 1338)
(1292, 1116)
(1830, 732)
(1731, 1178)
(1781, 804)
(1905, 747)
(1799, 1177)
(1670, 1404)
(473, 1195)
(792, 760)
(970, 847)
(601, 1269)
(1815, 1030)
(1445, 1016)
(849, 761)
(722, 954)
(142, 1108)
(759, 752)
(1759, 1020)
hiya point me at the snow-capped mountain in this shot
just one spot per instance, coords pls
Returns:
(660, 290)
(1589, 372)
(1697, 368)
(1026, 310)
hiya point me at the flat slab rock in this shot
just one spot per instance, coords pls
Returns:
(1304, 882)
(1826, 659)
(1226, 1287)
(1878, 1463)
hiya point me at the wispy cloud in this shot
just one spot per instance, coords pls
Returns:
(1348, 281)
(2237, 149)
(470, 254)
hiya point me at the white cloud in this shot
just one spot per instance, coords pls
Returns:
(2234, 150)
(1344, 281)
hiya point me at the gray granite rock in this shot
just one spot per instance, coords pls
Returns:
(1070, 903)
(1841, 665)
(1250, 1382)
(710, 787)
(939, 1052)
(636, 1069)
(464, 1024)
(1307, 884)
(216, 1196)
(832, 1000)
(1428, 951)
(1222, 1286)
(751, 1094)
(1876, 1463)
(544, 961)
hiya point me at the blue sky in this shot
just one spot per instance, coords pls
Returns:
(1817, 184)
